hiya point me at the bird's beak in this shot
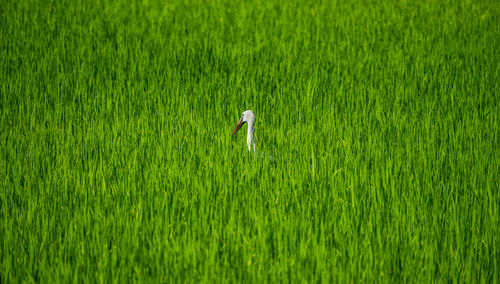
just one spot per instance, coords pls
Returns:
(238, 126)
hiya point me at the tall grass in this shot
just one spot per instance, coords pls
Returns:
(117, 161)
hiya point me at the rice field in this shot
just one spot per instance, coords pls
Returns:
(117, 162)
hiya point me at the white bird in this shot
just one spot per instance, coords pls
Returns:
(247, 116)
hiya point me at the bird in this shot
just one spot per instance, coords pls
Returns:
(247, 117)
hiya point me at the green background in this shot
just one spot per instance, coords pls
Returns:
(117, 161)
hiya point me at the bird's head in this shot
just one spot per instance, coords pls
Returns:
(246, 116)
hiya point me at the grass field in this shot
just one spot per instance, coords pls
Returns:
(117, 161)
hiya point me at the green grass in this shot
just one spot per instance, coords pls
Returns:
(117, 161)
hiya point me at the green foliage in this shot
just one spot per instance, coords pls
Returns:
(117, 161)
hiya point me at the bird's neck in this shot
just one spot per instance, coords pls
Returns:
(250, 139)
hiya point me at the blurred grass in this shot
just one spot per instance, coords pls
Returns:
(117, 161)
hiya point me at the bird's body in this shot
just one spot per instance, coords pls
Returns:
(247, 117)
